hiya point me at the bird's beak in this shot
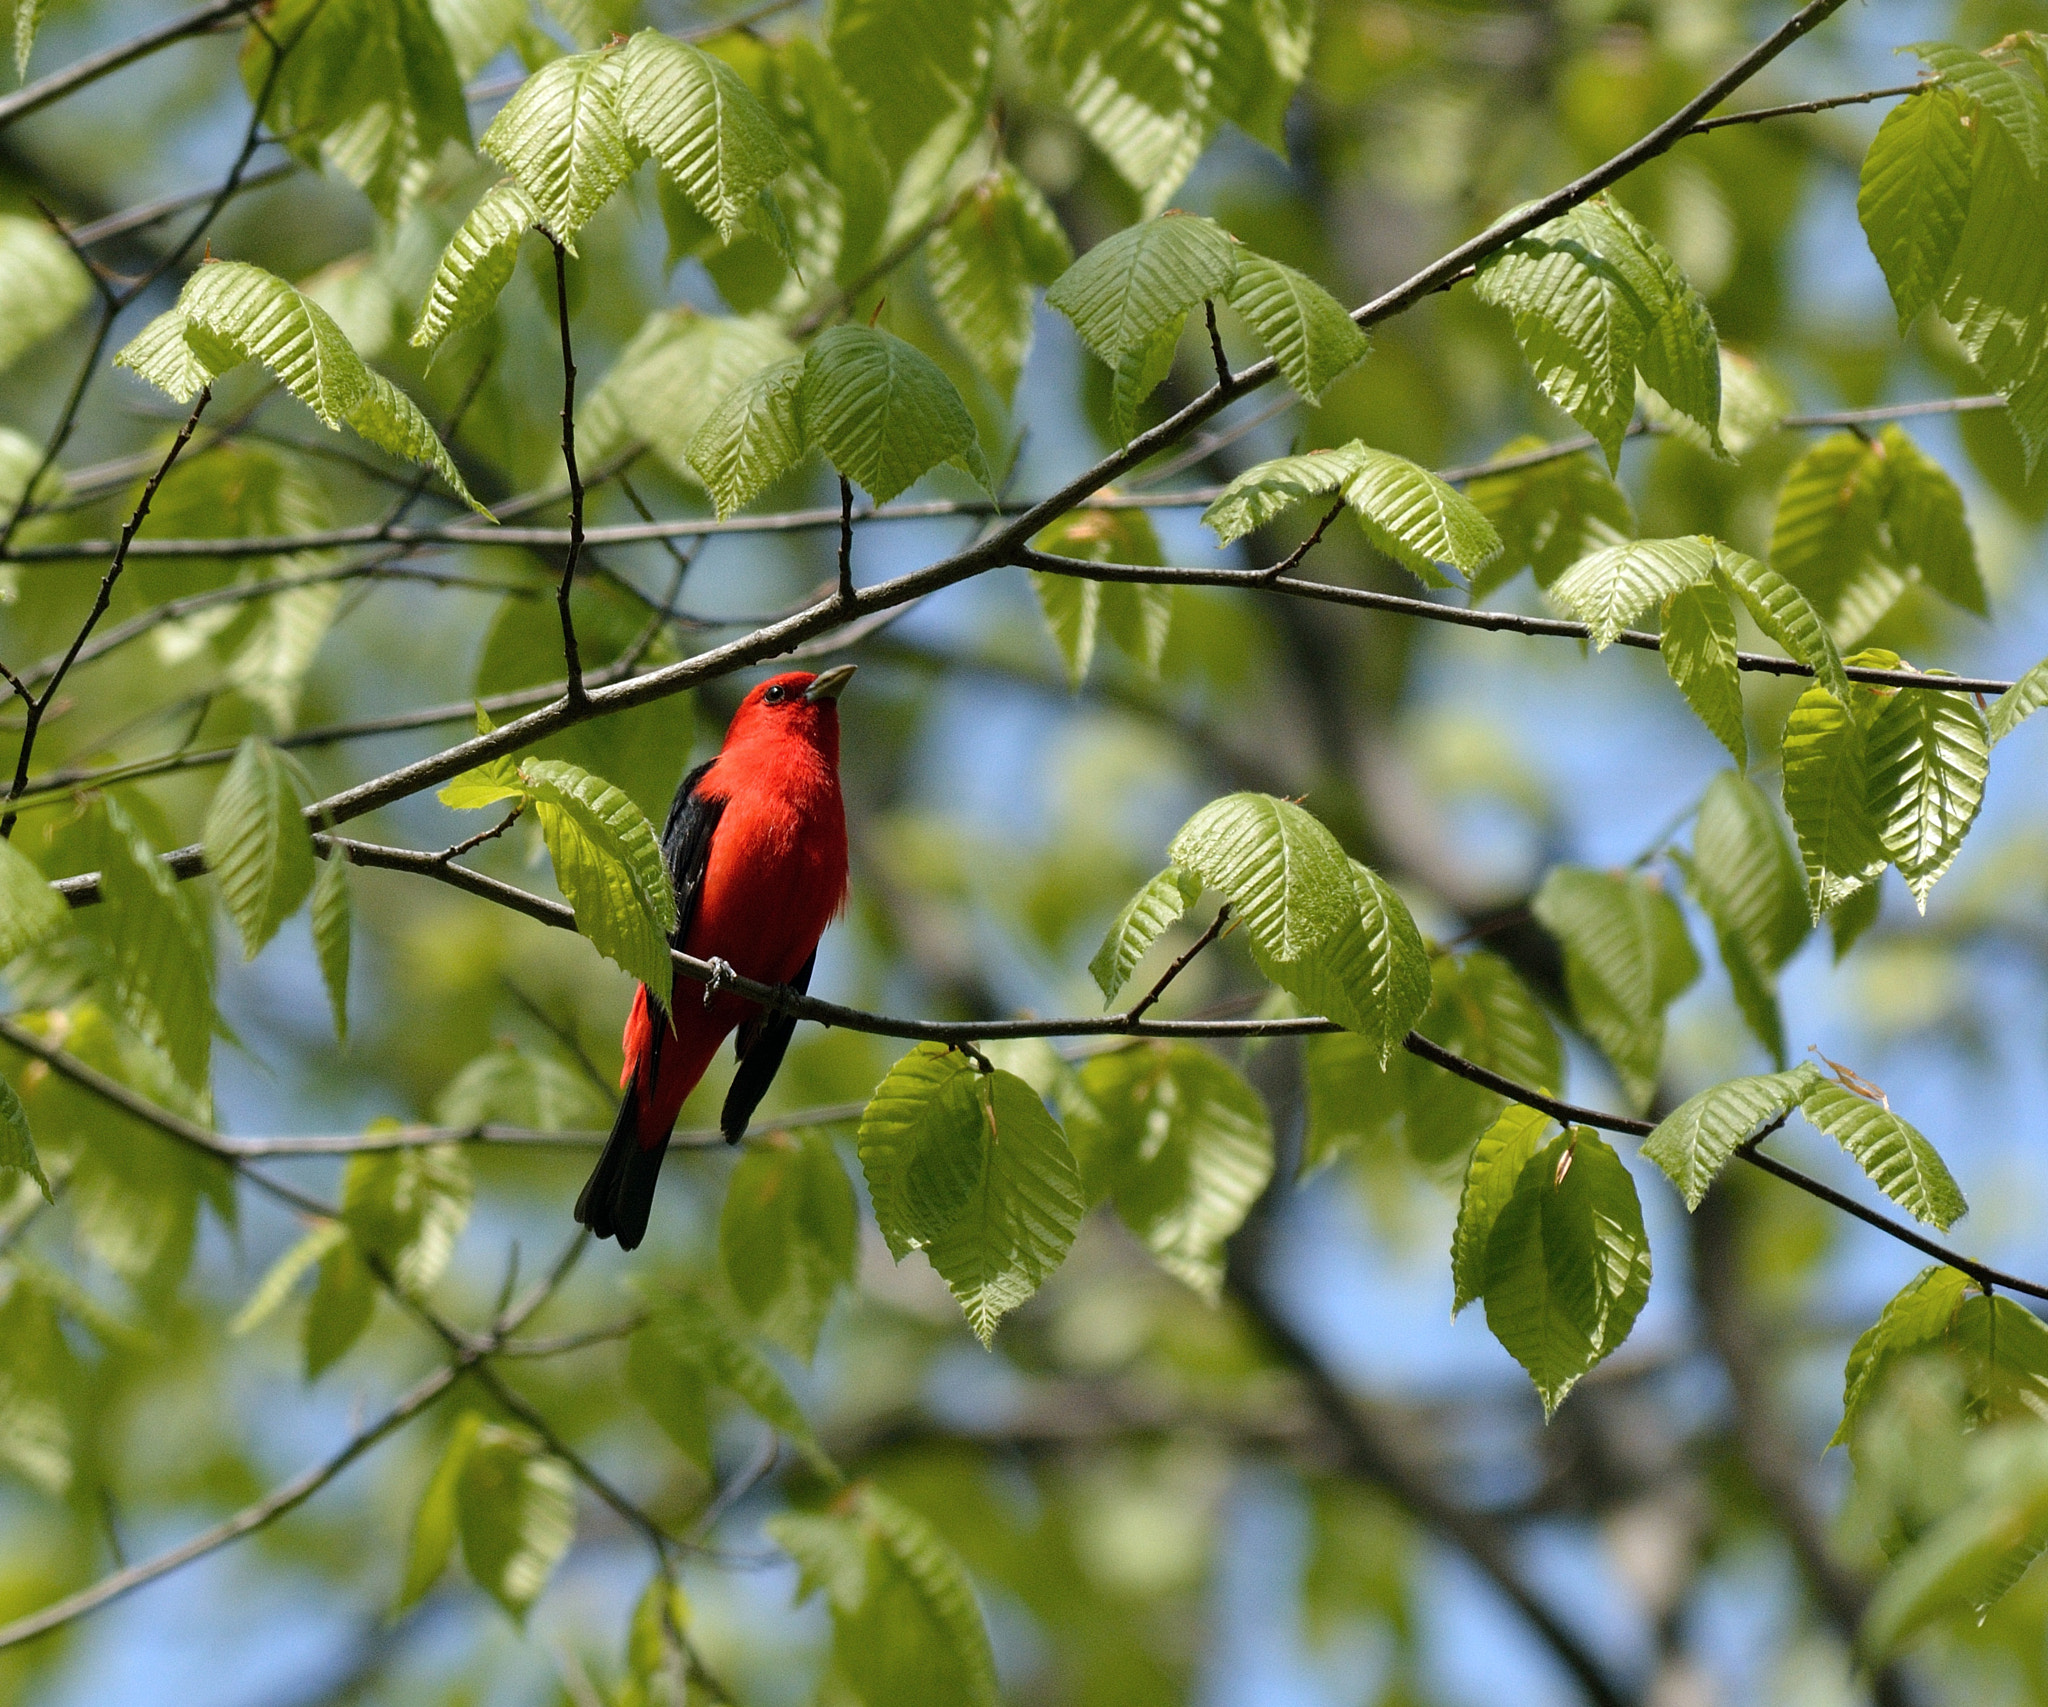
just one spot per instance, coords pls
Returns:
(830, 684)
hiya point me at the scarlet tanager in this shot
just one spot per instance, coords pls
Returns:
(756, 847)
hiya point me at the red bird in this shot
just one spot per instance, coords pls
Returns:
(756, 848)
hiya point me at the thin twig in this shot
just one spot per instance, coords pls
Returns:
(847, 595)
(1216, 343)
(1293, 559)
(1757, 115)
(41, 704)
(482, 836)
(90, 69)
(1181, 963)
(572, 664)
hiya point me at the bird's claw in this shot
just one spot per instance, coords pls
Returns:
(722, 974)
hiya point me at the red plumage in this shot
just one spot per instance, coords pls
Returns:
(756, 849)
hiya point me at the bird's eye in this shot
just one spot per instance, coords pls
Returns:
(774, 696)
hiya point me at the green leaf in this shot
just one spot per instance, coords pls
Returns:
(1548, 516)
(515, 1508)
(1596, 299)
(921, 1569)
(1925, 517)
(366, 86)
(608, 866)
(41, 1379)
(267, 321)
(1138, 618)
(884, 412)
(1968, 1560)
(676, 1391)
(1928, 755)
(176, 356)
(970, 1168)
(159, 950)
(1289, 880)
(905, 1626)
(697, 1344)
(477, 264)
(1372, 976)
(1498, 1159)
(1747, 879)
(1580, 324)
(918, 71)
(1921, 1317)
(407, 1207)
(434, 1524)
(1183, 1144)
(31, 912)
(506, 1086)
(563, 138)
(1698, 647)
(1001, 240)
(1693, 1142)
(1680, 358)
(257, 844)
(675, 375)
(1302, 325)
(1270, 489)
(338, 1314)
(1153, 81)
(1996, 289)
(1568, 1263)
(1480, 1011)
(788, 1237)
(1627, 957)
(332, 930)
(41, 282)
(1826, 534)
(1900, 1162)
(2013, 707)
(1131, 289)
(1021, 1214)
(1611, 589)
(284, 1274)
(753, 438)
(27, 15)
(1072, 607)
(920, 1145)
(695, 115)
(230, 312)
(2009, 95)
(1416, 518)
(479, 30)
(1915, 195)
(844, 151)
(17, 1146)
(1144, 918)
(1826, 799)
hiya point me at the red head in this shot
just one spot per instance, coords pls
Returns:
(794, 708)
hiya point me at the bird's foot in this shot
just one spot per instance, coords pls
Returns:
(722, 974)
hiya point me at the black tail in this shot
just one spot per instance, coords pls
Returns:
(620, 1191)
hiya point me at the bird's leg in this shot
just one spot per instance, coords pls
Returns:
(722, 974)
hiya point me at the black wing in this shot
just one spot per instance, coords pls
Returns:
(686, 845)
(759, 1043)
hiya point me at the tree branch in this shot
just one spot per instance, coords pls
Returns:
(93, 67)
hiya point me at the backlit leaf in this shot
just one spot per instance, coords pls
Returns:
(1928, 755)
(1900, 1162)
(563, 139)
(257, 844)
(884, 412)
(1693, 1143)
(1567, 1263)
(1165, 899)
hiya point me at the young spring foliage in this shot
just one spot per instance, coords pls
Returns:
(231, 312)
